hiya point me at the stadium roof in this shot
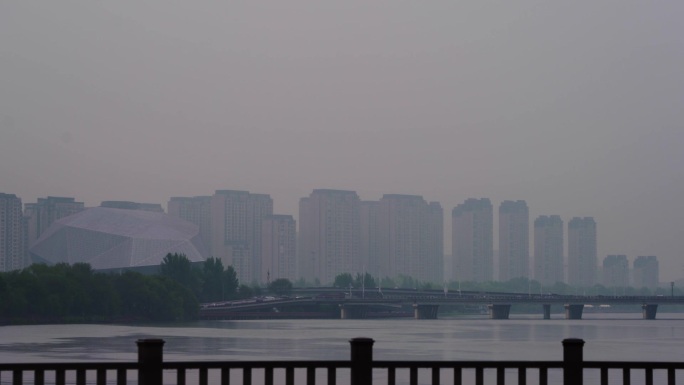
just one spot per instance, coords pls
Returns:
(108, 238)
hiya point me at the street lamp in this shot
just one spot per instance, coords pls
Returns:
(529, 288)
(363, 284)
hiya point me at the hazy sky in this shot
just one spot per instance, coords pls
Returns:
(575, 106)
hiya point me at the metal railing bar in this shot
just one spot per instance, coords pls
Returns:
(246, 376)
(101, 377)
(121, 377)
(471, 364)
(84, 366)
(68, 366)
(458, 380)
(17, 377)
(332, 376)
(391, 376)
(268, 376)
(289, 376)
(60, 377)
(500, 376)
(435, 376)
(310, 376)
(225, 376)
(203, 376)
(180, 376)
(150, 369)
(413, 376)
(626, 378)
(80, 377)
(479, 376)
(649, 376)
(253, 364)
(604, 376)
(39, 377)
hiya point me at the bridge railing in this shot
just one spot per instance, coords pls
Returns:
(361, 369)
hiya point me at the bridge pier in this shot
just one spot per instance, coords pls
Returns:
(574, 311)
(425, 311)
(648, 310)
(547, 310)
(499, 311)
(352, 311)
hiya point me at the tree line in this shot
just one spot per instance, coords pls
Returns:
(76, 293)
(515, 285)
(64, 293)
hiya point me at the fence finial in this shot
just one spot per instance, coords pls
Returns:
(573, 372)
(361, 360)
(150, 358)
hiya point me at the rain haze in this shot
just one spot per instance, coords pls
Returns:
(575, 107)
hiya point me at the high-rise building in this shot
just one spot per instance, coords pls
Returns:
(12, 253)
(410, 238)
(514, 240)
(615, 271)
(434, 267)
(370, 243)
(548, 249)
(646, 272)
(196, 210)
(40, 215)
(472, 240)
(236, 230)
(582, 257)
(278, 248)
(329, 235)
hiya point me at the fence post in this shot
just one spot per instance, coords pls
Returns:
(150, 358)
(361, 361)
(573, 368)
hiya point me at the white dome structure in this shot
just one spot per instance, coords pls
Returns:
(108, 238)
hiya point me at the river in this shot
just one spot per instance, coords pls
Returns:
(608, 336)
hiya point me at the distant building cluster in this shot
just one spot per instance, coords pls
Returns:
(397, 235)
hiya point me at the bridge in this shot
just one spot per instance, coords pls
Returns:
(384, 303)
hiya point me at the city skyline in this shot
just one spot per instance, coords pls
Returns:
(244, 204)
(573, 107)
(398, 235)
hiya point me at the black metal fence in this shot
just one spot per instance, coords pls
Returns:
(361, 369)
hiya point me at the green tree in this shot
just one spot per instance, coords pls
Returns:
(343, 280)
(230, 283)
(212, 280)
(256, 289)
(281, 286)
(178, 268)
(406, 282)
(4, 293)
(155, 298)
(364, 280)
(178, 303)
(245, 291)
(388, 282)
